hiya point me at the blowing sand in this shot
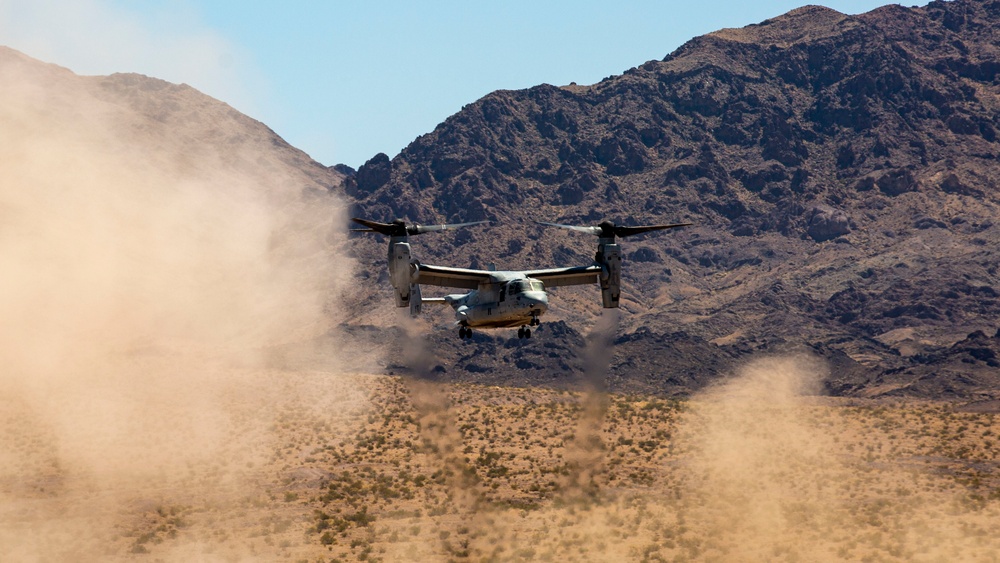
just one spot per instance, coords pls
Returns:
(147, 281)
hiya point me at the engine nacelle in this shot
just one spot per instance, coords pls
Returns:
(399, 271)
(610, 258)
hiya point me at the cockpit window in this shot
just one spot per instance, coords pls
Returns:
(521, 286)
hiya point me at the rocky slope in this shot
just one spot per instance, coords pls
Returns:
(841, 170)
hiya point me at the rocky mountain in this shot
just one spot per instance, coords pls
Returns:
(841, 171)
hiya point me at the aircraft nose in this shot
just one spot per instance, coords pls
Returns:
(537, 300)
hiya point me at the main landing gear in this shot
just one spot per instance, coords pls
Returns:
(464, 332)
(524, 331)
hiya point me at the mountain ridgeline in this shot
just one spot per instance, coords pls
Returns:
(842, 172)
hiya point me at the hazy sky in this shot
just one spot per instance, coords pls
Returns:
(346, 80)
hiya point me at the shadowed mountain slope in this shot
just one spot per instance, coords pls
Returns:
(841, 170)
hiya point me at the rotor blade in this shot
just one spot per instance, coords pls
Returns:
(590, 230)
(363, 230)
(374, 225)
(394, 229)
(623, 231)
(421, 229)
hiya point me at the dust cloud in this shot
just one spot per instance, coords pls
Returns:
(439, 433)
(754, 459)
(772, 471)
(585, 452)
(481, 524)
(149, 272)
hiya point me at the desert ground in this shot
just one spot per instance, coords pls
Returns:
(279, 465)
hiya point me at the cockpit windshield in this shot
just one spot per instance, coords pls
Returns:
(521, 286)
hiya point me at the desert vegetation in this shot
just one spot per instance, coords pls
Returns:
(390, 469)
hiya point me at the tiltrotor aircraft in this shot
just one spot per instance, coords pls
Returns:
(500, 299)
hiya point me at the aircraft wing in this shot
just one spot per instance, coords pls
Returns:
(445, 276)
(576, 275)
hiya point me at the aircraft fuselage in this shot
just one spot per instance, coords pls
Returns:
(513, 303)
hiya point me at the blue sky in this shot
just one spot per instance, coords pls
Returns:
(346, 80)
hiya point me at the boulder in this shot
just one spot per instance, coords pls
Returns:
(827, 223)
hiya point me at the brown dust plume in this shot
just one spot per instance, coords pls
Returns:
(156, 247)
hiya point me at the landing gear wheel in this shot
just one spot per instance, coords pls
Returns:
(520, 332)
(527, 333)
(464, 332)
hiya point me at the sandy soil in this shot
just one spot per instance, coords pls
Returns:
(316, 466)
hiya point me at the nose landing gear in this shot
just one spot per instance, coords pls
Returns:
(524, 332)
(464, 332)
